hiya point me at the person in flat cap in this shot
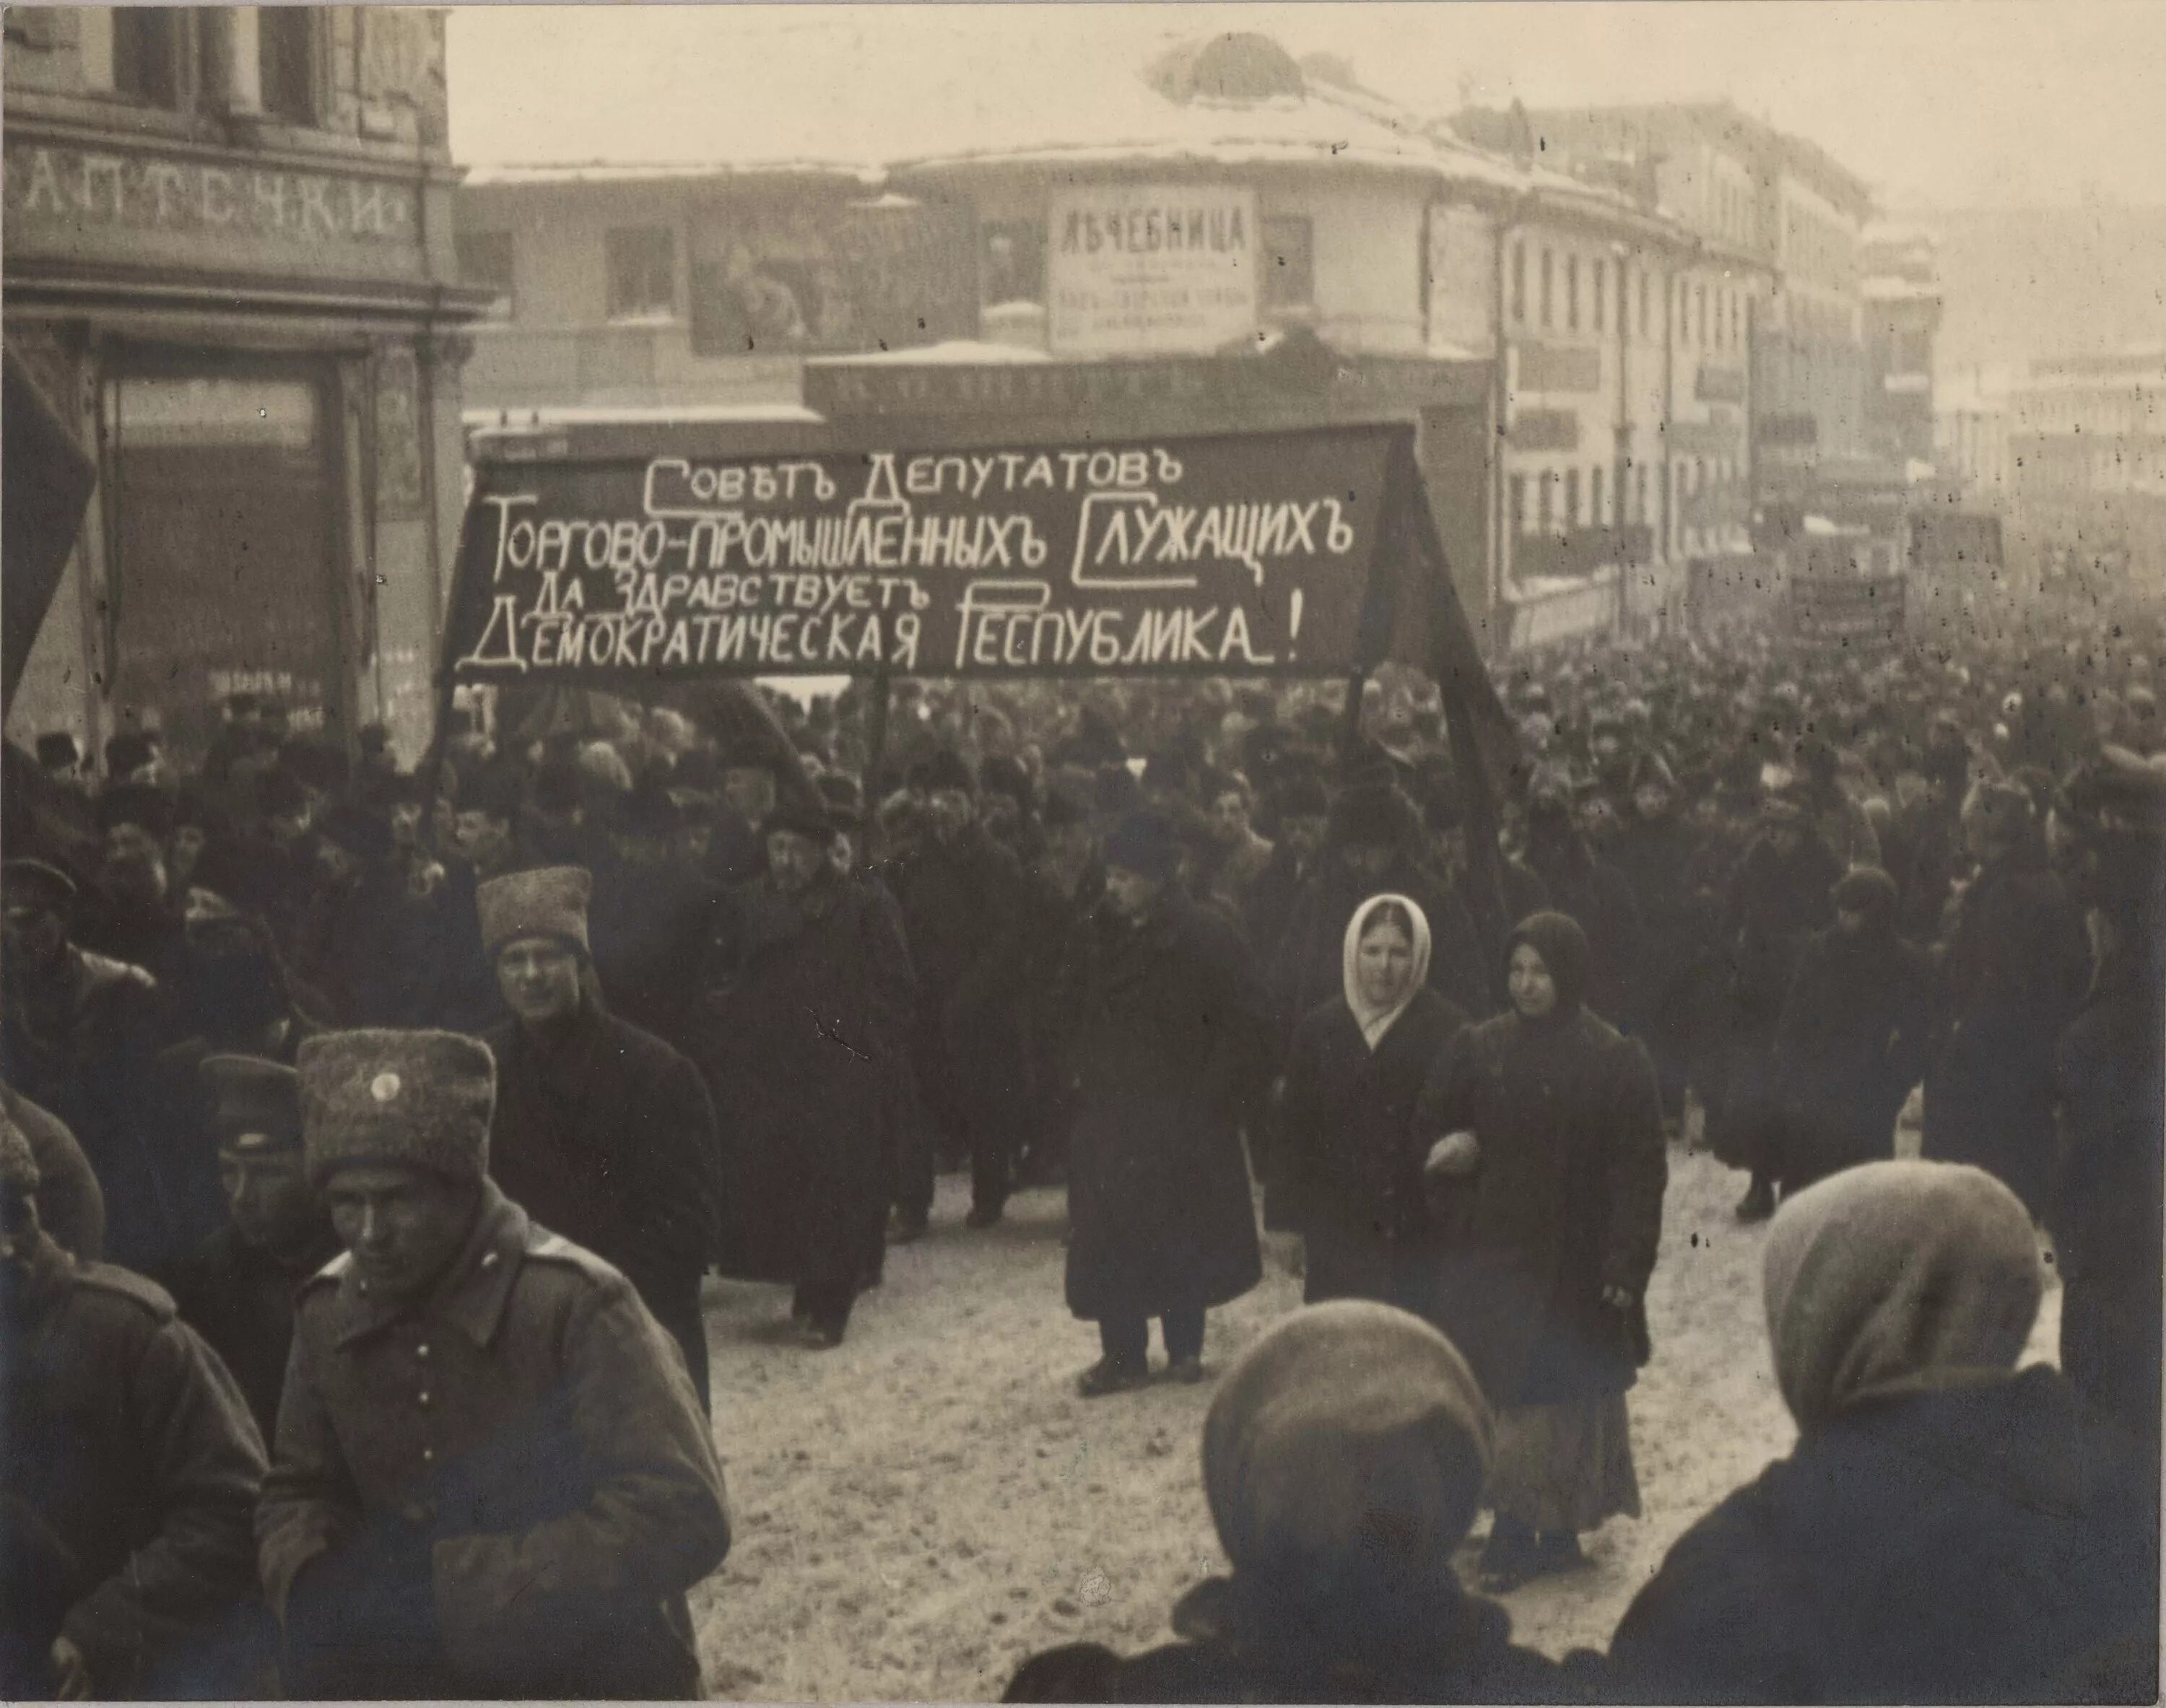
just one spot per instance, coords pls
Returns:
(492, 1476)
(1344, 1459)
(2017, 959)
(1168, 1054)
(602, 1133)
(798, 1034)
(79, 1035)
(126, 1564)
(236, 1290)
(961, 895)
(1371, 847)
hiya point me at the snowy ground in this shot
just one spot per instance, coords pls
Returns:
(921, 1508)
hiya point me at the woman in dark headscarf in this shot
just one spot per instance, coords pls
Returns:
(1349, 1180)
(1853, 1037)
(1558, 1122)
(1343, 1458)
(1948, 1528)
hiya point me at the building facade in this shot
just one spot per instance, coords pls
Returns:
(230, 266)
(1900, 294)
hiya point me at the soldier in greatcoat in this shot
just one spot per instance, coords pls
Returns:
(492, 1476)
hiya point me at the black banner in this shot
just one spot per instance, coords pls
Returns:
(1246, 555)
(1859, 611)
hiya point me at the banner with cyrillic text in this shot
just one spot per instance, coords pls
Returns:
(1241, 555)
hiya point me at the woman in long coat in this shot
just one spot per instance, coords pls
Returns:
(796, 1053)
(1161, 1222)
(1546, 1293)
(1349, 1181)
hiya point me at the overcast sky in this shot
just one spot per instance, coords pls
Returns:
(1937, 102)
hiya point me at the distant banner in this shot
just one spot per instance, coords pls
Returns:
(1243, 555)
(1861, 612)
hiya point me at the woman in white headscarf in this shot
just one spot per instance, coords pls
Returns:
(1949, 1528)
(1347, 1177)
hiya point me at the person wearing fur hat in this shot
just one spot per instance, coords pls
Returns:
(492, 1475)
(797, 1035)
(2017, 961)
(1169, 1053)
(1783, 892)
(1949, 1527)
(79, 1035)
(1344, 1459)
(1371, 848)
(236, 1290)
(1555, 1120)
(1854, 1036)
(602, 1133)
(133, 1467)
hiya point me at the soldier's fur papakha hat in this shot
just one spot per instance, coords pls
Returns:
(416, 1100)
(548, 902)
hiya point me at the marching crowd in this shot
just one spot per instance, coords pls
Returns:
(369, 1131)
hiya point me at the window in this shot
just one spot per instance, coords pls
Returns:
(286, 58)
(1012, 262)
(1519, 503)
(146, 54)
(485, 259)
(1670, 501)
(1519, 282)
(1289, 279)
(1594, 497)
(1638, 500)
(1572, 516)
(1571, 293)
(643, 272)
(1646, 291)
(1601, 286)
(1548, 291)
(1548, 498)
(1699, 312)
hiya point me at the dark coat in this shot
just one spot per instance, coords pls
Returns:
(132, 1470)
(1852, 1041)
(1463, 1652)
(503, 1490)
(792, 1044)
(647, 924)
(1310, 968)
(1271, 900)
(1971, 1545)
(2107, 1215)
(1159, 1211)
(1594, 893)
(82, 1045)
(1655, 856)
(1567, 1200)
(962, 907)
(1347, 1177)
(2016, 962)
(605, 1135)
(240, 1299)
(70, 1204)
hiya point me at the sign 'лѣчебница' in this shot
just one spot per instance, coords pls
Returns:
(1247, 555)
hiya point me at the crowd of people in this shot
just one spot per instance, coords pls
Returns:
(369, 1131)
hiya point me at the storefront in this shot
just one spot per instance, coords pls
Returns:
(255, 343)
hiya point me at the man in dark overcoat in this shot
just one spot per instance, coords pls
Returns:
(792, 1044)
(2017, 962)
(492, 1476)
(237, 1288)
(1170, 1046)
(132, 1468)
(602, 1133)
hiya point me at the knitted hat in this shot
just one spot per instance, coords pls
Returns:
(33, 883)
(1144, 843)
(256, 1105)
(551, 902)
(416, 1100)
(18, 1163)
(1344, 1454)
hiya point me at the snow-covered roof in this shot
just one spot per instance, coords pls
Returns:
(954, 352)
(660, 172)
(1887, 287)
